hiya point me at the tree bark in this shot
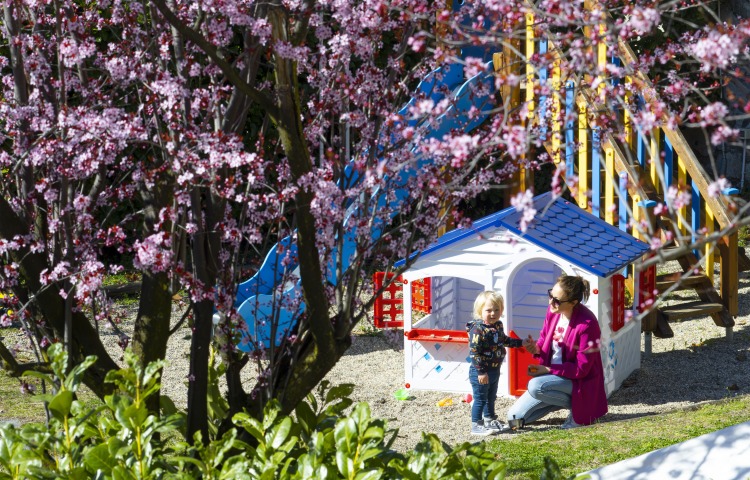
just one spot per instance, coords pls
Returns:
(207, 211)
(151, 330)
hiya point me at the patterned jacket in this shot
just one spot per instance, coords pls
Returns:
(487, 345)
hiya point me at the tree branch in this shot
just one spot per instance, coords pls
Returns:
(216, 56)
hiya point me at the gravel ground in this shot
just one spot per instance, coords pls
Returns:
(697, 365)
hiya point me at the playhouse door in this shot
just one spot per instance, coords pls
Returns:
(527, 293)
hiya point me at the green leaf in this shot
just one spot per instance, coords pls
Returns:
(131, 416)
(98, 458)
(153, 370)
(251, 425)
(361, 416)
(369, 475)
(40, 375)
(306, 417)
(497, 471)
(344, 433)
(122, 473)
(280, 432)
(339, 392)
(270, 412)
(60, 404)
(115, 446)
(369, 451)
(74, 378)
(185, 459)
(167, 405)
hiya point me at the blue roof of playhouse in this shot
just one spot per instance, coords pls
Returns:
(563, 229)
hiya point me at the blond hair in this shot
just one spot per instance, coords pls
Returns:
(482, 298)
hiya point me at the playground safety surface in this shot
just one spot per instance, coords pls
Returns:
(724, 454)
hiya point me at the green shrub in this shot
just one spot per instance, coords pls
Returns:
(743, 234)
(120, 439)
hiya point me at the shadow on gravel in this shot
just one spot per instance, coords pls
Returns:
(711, 369)
(363, 344)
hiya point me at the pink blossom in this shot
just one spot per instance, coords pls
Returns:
(81, 202)
(474, 66)
(153, 253)
(523, 202)
(678, 197)
(715, 50)
(422, 108)
(27, 388)
(417, 43)
(722, 133)
(60, 271)
(514, 137)
(713, 114)
(716, 187)
(646, 120)
(641, 21)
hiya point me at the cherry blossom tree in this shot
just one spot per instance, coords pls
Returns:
(192, 137)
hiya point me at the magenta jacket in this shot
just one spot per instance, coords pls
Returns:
(582, 362)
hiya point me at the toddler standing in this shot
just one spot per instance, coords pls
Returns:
(487, 342)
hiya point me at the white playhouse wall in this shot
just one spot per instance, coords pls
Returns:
(442, 364)
(522, 273)
(621, 350)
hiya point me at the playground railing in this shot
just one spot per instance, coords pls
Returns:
(622, 171)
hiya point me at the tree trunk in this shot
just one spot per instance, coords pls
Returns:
(307, 372)
(206, 247)
(151, 330)
(200, 343)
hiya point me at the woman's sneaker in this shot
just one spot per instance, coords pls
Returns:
(569, 423)
(496, 426)
(480, 429)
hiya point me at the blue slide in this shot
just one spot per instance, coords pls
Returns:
(268, 316)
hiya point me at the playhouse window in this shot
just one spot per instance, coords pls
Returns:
(452, 307)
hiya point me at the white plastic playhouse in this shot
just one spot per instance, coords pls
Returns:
(494, 254)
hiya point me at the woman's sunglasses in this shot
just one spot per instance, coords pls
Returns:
(555, 301)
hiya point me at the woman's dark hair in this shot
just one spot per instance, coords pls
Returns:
(574, 287)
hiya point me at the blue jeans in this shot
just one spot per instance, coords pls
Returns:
(484, 395)
(544, 395)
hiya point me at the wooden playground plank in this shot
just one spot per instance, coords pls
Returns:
(697, 308)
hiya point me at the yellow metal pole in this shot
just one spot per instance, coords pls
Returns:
(609, 185)
(626, 120)
(637, 217)
(656, 159)
(530, 50)
(583, 155)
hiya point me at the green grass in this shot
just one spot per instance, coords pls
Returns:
(23, 407)
(743, 236)
(583, 449)
(15, 405)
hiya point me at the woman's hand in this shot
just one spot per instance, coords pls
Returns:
(530, 345)
(537, 370)
(483, 378)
